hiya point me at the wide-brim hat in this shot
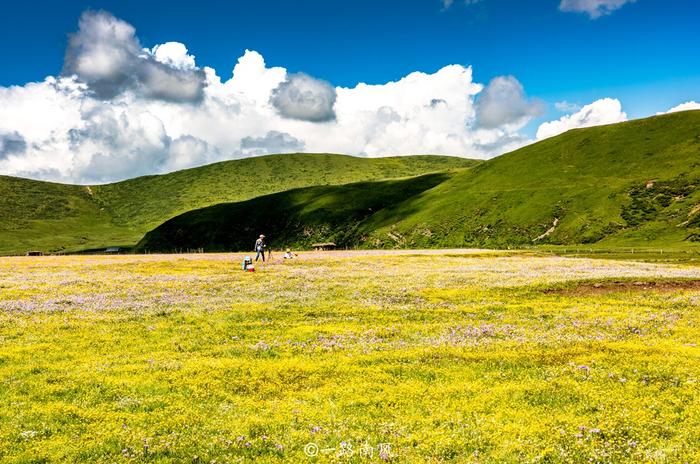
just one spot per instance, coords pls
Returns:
(262, 236)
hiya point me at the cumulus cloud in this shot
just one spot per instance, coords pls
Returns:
(503, 102)
(120, 110)
(687, 106)
(603, 111)
(303, 97)
(106, 54)
(120, 144)
(593, 8)
(173, 54)
(252, 81)
(102, 53)
(187, 151)
(400, 117)
(114, 142)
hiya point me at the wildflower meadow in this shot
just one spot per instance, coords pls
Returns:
(443, 356)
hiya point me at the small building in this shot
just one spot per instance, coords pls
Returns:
(113, 250)
(324, 246)
(35, 253)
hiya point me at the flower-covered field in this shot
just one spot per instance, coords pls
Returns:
(450, 356)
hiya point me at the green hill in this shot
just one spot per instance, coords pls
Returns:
(296, 218)
(633, 183)
(56, 217)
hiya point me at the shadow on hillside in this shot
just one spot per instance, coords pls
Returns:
(295, 218)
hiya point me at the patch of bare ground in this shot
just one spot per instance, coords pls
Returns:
(598, 288)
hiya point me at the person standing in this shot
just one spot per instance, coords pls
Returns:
(260, 246)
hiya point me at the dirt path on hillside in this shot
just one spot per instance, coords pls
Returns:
(548, 232)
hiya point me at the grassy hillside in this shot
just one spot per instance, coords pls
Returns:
(46, 216)
(294, 218)
(632, 184)
(57, 217)
(144, 201)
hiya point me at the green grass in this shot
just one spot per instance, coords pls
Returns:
(55, 217)
(343, 214)
(633, 184)
(464, 358)
(593, 180)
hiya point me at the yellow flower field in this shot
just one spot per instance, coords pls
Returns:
(450, 356)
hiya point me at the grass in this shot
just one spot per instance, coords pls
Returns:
(631, 184)
(343, 214)
(448, 356)
(55, 217)
(628, 185)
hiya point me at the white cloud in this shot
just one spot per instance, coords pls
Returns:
(102, 52)
(252, 82)
(302, 97)
(121, 110)
(691, 105)
(187, 151)
(503, 102)
(402, 118)
(603, 111)
(593, 8)
(173, 54)
(107, 56)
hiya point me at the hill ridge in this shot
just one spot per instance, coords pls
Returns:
(54, 217)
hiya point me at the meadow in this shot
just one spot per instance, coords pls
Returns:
(464, 356)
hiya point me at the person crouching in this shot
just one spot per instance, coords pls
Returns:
(248, 265)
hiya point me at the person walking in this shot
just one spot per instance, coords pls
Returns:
(260, 248)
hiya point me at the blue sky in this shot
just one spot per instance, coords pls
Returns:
(104, 90)
(645, 53)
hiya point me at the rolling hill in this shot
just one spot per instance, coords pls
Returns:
(633, 184)
(297, 217)
(54, 217)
